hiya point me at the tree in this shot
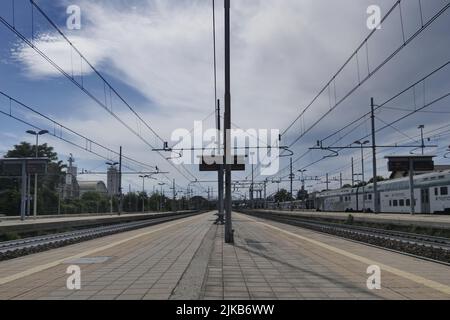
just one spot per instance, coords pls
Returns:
(379, 179)
(47, 184)
(26, 150)
(283, 196)
(302, 194)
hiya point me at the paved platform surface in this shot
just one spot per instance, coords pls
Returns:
(52, 222)
(187, 259)
(433, 221)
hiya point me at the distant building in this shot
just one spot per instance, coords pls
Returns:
(113, 180)
(69, 187)
(92, 186)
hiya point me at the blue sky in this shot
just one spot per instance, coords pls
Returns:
(158, 56)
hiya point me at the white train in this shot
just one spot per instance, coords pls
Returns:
(431, 192)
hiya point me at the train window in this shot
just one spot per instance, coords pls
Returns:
(395, 203)
(436, 191)
(402, 203)
(370, 197)
(444, 191)
(408, 202)
(390, 203)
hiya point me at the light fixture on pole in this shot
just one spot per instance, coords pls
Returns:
(143, 189)
(37, 134)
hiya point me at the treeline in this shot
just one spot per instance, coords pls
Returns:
(49, 200)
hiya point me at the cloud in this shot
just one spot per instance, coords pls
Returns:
(283, 52)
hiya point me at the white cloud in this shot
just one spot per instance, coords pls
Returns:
(283, 52)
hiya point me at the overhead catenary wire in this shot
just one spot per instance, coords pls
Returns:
(385, 103)
(371, 71)
(87, 92)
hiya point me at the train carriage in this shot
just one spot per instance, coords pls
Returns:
(431, 193)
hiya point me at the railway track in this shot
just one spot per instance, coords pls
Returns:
(436, 249)
(17, 248)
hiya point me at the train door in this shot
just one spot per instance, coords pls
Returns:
(425, 200)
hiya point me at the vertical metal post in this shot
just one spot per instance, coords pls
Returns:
(143, 190)
(120, 182)
(23, 199)
(28, 194)
(363, 179)
(252, 188)
(328, 182)
(291, 177)
(174, 208)
(340, 180)
(220, 219)
(227, 128)
(411, 185)
(353, 173)
(421, 127)
(265, 194)
(60, 190)
(35, 180)
(374, 160)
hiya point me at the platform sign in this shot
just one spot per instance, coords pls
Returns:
(402, 163)
(10, 169)
(211, 164)
(37, 167)
(13, 166)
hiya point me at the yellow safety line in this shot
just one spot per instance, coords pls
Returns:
(413, 277)
(83, 254)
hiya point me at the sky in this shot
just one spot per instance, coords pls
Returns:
(158, 56)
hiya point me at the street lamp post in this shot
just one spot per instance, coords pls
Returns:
(362, 170)
(37, 134)
(143, 190)
(161, 196)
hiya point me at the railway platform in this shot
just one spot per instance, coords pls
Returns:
(44, 223)
(187, 259)
(420, 220)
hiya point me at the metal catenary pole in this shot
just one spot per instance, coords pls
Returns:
(374, 159)
(227, 128)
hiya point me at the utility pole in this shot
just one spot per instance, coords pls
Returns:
(174, 209)
(340, 179)
(265, 194)
(353, 174)
(374, 159)
(252, 188)
(143, 191)
(28, 195)
(120, 182)
(421, 127)
(328, 182)
(291, 177)
(363, 171)
(37, 134)
(227, 127)
(411, 186)
(220, 219)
